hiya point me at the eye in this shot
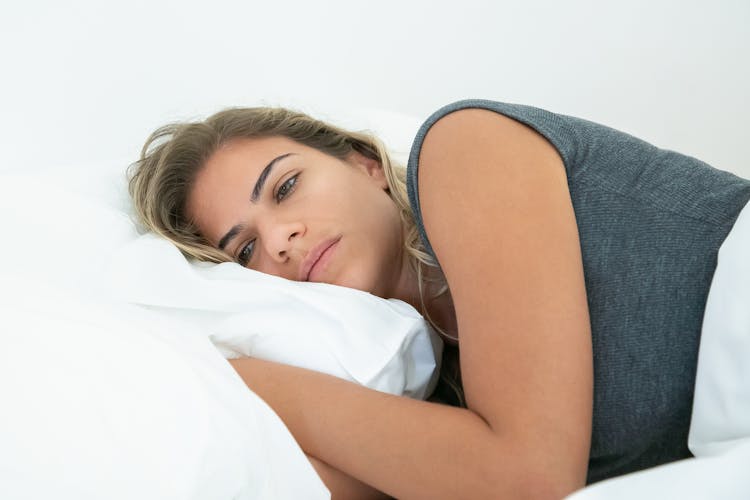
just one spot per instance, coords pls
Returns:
(246, 253)
(286, 189)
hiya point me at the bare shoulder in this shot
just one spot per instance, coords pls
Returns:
(486, 125)
(490, 178)
(498, 213)
(468, 133)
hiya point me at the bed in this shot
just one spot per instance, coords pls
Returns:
(114, 374)
(113, 368)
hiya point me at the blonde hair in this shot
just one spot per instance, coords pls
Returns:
(161, 180)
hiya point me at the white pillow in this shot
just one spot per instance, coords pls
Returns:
(721, 406)
(382, 344)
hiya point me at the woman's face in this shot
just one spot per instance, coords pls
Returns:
(286, 209)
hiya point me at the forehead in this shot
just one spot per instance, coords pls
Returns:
(250, 153)
(240, 161)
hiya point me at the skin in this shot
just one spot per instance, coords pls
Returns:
(515, 271)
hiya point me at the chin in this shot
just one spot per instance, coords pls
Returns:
(357, 284)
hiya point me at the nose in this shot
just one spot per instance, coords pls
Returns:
(281, 238)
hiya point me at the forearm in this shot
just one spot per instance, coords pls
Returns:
(406, 448)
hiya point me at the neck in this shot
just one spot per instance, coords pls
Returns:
(440, 309)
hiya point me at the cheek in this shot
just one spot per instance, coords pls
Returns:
(268, 266)
(384, 238)
(364, 273)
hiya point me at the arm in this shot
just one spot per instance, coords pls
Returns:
(343, 487)
(514, 266)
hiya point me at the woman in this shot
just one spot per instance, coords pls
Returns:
(571, 261)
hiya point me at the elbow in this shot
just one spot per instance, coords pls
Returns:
(541, 488)
(550, 468)
(546, 482)
(529, 477)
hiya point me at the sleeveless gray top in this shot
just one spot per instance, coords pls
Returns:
(650, 223)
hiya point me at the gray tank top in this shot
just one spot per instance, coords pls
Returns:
(650, 223)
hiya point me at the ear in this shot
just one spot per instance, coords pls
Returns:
(371, 167)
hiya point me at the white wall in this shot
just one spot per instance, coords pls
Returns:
(87, 80)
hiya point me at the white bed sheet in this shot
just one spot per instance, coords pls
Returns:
(723, 476)
(103, 400)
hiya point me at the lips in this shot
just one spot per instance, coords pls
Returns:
(313, 256)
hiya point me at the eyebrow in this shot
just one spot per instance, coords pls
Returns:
(230, 235)
(257, 189)
(264, 175)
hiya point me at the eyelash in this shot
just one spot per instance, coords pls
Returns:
(243, 258)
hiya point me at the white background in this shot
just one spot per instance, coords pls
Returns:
(87, 80)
